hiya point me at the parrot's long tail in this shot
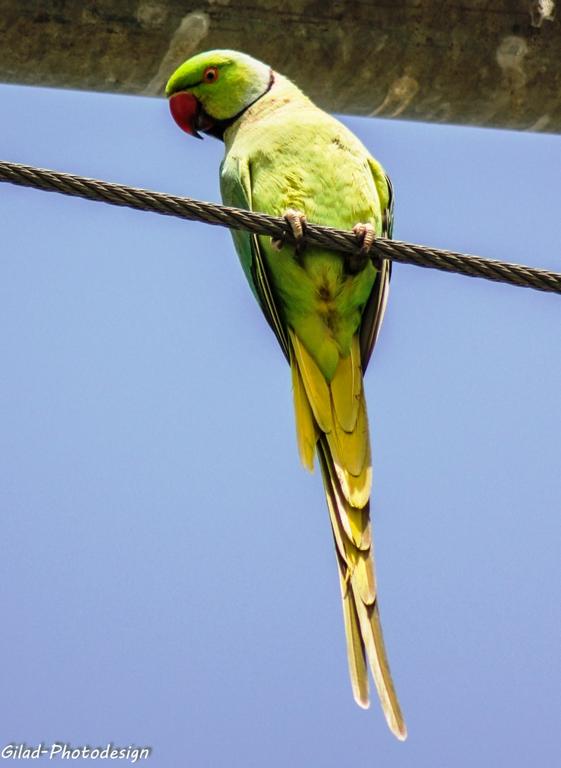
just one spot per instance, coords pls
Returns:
(331, 418)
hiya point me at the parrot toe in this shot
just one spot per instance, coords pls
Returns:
(296, 220)
(365, 234)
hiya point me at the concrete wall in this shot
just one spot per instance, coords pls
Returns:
(478, 62)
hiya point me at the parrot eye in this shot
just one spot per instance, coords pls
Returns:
(210, 75)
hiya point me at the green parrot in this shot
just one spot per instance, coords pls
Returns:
(286, 157)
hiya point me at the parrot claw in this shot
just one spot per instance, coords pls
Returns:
(297, 223)
(365, 234)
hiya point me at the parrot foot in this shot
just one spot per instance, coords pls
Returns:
(297, 223)
(365, 234)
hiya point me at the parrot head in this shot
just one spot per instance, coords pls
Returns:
(209, 91)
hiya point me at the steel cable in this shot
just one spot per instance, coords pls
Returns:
(263, 224)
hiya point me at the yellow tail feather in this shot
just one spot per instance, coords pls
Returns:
(355, 647)
(332, 417)
(315, 385)
(306, 429)
(348, 380)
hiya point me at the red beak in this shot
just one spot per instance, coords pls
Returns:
(188, 113)
(185, 110)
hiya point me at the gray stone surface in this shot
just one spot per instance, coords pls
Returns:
(477, 62)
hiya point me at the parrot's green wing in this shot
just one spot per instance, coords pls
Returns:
(235, 187)
(376, 306)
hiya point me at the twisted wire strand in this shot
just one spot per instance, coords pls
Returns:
(263, 224)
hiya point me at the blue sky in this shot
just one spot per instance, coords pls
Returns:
(167, 576)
